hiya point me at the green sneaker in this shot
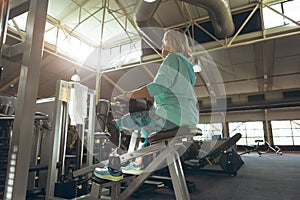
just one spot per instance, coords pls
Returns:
(131, 168)
(103, 173)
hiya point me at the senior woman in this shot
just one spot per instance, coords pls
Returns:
(175, 103)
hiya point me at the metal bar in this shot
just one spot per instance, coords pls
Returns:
(4, 11)
(112, 82)
(177, 176)
(80, 145)
(153, 166)
(209, 34)
(54, 144)
(91, 129)
(20, 146)
(18, 7)
(21, 34)
(244, 24)
(91, 15)
(63, 140)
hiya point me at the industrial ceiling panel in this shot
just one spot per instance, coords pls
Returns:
(287, 46)
(221, 57)
(201, 92)
(287, 65)
(194, 12)
(241, 87)
(227, 74)
(245, 71)
(286, 82)
(242, 54)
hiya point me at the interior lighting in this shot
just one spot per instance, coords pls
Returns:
(149, 1)
(75, 77)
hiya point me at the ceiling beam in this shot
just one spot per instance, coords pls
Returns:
(258, 54)
(18, 7)
(268, 63)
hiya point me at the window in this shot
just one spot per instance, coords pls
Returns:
(209, 130)
(287, 8)
(286, 132)
(121, 55)
(291, 10)
(250, 131)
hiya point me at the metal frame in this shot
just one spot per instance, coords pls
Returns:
(20, 145)
(168, 152)
(236, 40)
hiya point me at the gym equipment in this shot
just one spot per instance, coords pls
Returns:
(273, 148)
(219, 157)
(72, 142)
(37, 175)
(261, 148)
(168, 144)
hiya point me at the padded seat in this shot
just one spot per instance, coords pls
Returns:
(169, 134)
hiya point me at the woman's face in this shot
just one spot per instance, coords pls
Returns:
(164, 51)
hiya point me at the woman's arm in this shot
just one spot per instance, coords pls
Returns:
(140, 93)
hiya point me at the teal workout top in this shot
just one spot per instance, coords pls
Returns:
(173, 91)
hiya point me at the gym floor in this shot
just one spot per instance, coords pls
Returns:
(268, 177)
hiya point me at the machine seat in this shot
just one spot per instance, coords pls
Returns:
(178, 132)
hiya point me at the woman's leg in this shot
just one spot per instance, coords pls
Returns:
(146, 122)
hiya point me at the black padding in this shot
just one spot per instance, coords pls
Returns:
(138, 105)
(169, 134)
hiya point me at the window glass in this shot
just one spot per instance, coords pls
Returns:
(291, 10)
(250, 131)
(286, 132)
(271, 18)
(287, 8)
(209, 130)
(20, 21)
(296, 140)
(50, 33)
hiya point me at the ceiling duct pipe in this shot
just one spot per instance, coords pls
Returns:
(220, 15)
(218, 11)
(146, 23)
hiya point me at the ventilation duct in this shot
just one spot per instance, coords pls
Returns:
(219, 13)
(218, 10)
(146, 23)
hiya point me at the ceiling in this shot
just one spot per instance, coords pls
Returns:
(251, 61)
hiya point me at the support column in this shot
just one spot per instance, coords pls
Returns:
(4, 12)
(267, 134)
(225, 131)
(21, 141)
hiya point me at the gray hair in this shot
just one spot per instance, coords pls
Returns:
(177, 42)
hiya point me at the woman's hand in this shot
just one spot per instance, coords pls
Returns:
(123, 96)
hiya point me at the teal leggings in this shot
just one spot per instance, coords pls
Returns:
(145, 121)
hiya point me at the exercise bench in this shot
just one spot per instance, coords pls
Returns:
(168, 145)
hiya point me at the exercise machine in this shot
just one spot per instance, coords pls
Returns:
(37, 175)
(164, 150)
(72, 140)
(260, 148)
(221, 158)
(168, 145)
